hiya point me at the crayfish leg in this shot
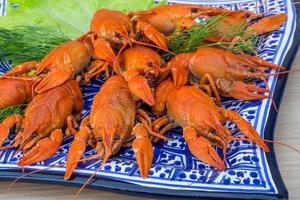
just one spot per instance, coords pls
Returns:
(96, 69)
(43, 149)
(71, 125)
(245, 127)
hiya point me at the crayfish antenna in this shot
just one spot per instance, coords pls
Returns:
(116, 64)
(41, 170)
(107, 155)
(270, 95)
(269, 141)
(8, 147)
(153, 46)
(283, 72)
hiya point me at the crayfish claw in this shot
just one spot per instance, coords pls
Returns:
(4, 131)
(43, 150)
(54, 79)
(139, 86)
(76, 150)
(7, 124)
(153, 35)
(161, 94)
(22, 68)
(180, 75)
(143, 150)
(201, 148)
(268, 24)
(241, 90)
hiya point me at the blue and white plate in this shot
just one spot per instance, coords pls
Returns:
(252, 173)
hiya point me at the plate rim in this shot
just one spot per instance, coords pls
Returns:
(123, 187)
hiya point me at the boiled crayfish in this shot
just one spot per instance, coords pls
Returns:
(111, 125)
(201, 119)
(111, 29)
(15, 91)
(142, 67)
(40, 135)
(168, 18)
(61, 64)
(225, 72)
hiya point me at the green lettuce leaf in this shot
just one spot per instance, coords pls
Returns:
(72, 17)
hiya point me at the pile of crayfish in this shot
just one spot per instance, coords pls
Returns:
(184, 91)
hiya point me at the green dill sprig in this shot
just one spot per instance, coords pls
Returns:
(25, 43)
(17, 109)
(248, 45)
(191, 39)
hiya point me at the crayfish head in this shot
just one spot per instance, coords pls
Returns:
(108, 129)
(190, 11)
(153, 72)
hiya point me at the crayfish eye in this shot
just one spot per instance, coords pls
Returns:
(117, 35)
(45, 71)
(194, 10)
(35, 134)
(117, 137)
(251, 70)
(100, 140)
(150, 64)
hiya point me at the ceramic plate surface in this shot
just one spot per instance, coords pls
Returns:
(251, 174)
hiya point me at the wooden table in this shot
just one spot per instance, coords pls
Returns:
(287, 131)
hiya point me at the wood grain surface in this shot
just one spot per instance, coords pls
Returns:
(287, 131)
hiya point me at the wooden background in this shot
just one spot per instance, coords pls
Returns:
(287, 131)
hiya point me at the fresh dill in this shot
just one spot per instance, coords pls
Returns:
(25, 43)
(5, 112)
(191, 39)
